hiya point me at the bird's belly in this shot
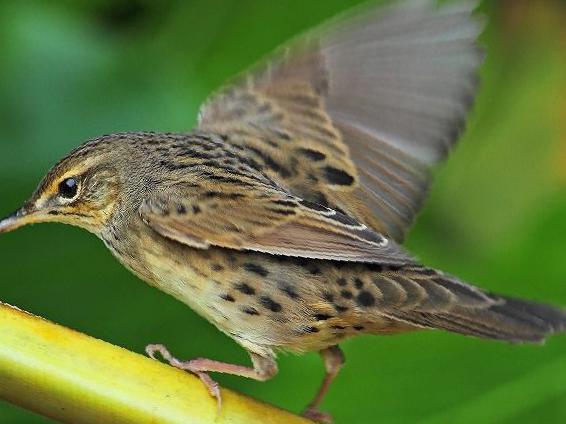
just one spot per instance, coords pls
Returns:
(264, 302)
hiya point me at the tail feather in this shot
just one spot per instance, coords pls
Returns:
(512, 320)
(535, 317)
(474, 312)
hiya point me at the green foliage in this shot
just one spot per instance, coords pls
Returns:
(71, 70)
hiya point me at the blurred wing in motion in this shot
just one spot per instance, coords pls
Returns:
(354, 115)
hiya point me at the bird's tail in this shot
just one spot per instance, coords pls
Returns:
(474, 312)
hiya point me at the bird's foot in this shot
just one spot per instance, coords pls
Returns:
(194, 366)
(318, 416)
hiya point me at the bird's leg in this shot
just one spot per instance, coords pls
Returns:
(263, 369)
(333, 360)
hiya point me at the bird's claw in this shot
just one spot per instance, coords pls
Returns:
(212, 386)
(318, 416)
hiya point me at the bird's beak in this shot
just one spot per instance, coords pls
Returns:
(21, 217)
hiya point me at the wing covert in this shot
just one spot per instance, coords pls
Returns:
(266, 220)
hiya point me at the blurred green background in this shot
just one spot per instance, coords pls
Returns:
(70, 70)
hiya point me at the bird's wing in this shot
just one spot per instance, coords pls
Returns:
(253, 216)
(354, 115)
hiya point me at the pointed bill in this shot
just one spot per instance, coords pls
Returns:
(19, 218)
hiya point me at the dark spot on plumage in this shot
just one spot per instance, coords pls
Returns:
(54, 213)
(245, 288)
(211, 194)
(181, 210)
(288, 290)
(256, 269)
(227, 297)
(314, 155)
(358, 283)
(196, 209)
(375, 267)
(345, 219)
(329, 297)
(280, 169)
(358, 327)
(392, 267)
(341, 282)
(282, 211)
(313, 269)
(313, 206)
(217, 267)
(283, 202)
(217, 194)
(337, 176)
(310, 329)
(251, 163)
(365, 299)
(270, 304)
(302, 262)
(346, 294)
(271, 163)
(338, 327)
(250, 310)
(229, 180)
(322, 317)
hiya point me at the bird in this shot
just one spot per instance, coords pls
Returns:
(280, 217)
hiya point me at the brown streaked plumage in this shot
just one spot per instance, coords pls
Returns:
(280, 217)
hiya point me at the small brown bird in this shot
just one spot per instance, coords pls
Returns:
(279, 218)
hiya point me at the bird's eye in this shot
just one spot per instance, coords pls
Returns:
(68, 188)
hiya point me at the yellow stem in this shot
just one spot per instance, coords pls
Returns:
(73, 378)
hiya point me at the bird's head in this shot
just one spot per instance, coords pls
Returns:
(82, 190)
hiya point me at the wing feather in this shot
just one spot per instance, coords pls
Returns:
(266, 220)
(377, 97)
